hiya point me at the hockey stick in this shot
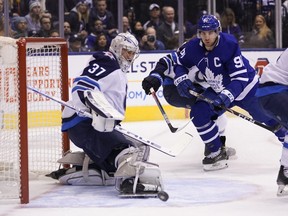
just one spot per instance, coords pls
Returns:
(129, 135)
(172, 129)
(200, 96)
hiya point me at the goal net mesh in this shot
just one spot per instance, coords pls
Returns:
(44, 71)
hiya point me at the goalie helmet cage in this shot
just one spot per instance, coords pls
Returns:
(31, 140)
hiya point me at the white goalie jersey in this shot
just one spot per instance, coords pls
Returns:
(96, 76)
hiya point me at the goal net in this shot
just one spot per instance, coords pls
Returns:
(31, 140)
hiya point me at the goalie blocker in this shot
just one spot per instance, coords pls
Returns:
(104, 116)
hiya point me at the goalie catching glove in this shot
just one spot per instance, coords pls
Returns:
(104, 116)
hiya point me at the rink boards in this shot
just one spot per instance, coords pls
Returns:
(139, 105)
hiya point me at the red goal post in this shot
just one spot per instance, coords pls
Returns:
(31, 140)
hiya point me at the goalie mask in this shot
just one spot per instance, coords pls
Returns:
(125, 47)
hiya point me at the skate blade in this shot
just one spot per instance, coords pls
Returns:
(162, 195)
(144, 195)
(216, 166)
(281, 191)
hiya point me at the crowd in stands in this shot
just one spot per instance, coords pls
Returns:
(89, 25)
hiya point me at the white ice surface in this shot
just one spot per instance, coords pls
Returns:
(247, 187)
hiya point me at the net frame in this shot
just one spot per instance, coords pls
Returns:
(22, 63)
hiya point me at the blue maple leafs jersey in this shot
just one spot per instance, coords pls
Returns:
(102, 73)
(165, 69)
(223, 68)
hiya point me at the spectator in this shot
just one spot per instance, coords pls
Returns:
(33, 17)
(261, 35)
(75, 43)
(2, 31)
(19, 8)
(155, 20)
(126, 25)
(217, 15)
(168, 31)
(138, 30)
(21, 27)
(229, 25)
(100, 12)
(189, 30)
(46, 27)
(52, 7)
(97, 30)
(78, 19)
(101, 43)
(54, 33)
(130, 14)
(150, 42)
(67, 30)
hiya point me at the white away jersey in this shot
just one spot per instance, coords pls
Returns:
(276, 72)
(102, 73)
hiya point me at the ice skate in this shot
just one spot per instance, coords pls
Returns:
(215, 160)
(282, 181)
(231, 152)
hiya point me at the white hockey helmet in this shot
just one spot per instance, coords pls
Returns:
(127, 42)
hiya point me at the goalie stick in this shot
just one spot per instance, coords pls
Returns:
(253, 121)
(172, 129)
(128, 134)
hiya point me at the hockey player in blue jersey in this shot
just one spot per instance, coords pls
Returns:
(232, 80)
(273, 96)
(107, 157)
(163, 74)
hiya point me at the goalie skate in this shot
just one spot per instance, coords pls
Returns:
(136, 177)
(132, 189)
(282, 181)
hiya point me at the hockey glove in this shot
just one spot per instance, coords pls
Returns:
(280, 133)
(184, 84)
(152, 81)
(224, 99)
